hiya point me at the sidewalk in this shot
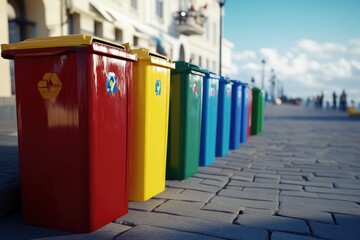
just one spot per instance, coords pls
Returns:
(298, 180)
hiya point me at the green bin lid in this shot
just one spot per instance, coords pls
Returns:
(182, 66)
(59, 41)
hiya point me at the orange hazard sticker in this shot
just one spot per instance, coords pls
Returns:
(50, 86)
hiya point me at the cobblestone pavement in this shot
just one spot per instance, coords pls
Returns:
(298, 180)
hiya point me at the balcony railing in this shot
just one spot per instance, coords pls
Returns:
(190, 22)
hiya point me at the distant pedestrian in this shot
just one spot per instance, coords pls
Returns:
(343, 101)
(334, 99)
(321, 99)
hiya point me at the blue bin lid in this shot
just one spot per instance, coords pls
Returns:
(224, 79)
(212, 75)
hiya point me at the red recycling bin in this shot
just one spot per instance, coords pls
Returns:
(73, 102)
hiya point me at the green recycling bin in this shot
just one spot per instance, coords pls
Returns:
(257, 118)
(183, 153)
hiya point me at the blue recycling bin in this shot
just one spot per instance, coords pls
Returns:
(235, 122)
(209, 119)
(223, 117)
(244, 127)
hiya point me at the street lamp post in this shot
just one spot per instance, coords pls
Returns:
(263, 74)
(221, 5)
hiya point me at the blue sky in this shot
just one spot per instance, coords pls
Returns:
(312, 45)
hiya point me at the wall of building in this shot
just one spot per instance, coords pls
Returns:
(137, 22)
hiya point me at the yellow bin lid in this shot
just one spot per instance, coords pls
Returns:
(144, 54)
(60, 41)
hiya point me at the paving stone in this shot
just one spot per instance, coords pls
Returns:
(334, 174)
(255, 170)
(186, 195)
(291, 177)
(334, 232)
(333, 190)
(306, 214)
(12, 228)
(158, 233)
(110, 231)
(306, 183)
(264, 185)
(223, 208)
(215, 183)
(248, 195)
(226, 167)
(258, 211)
(260, 190)
(289, 236)
(238, 164)
(299, 194)
(192, 209)
(9, 194)
(344, 209)
(193, 184)
(273, 223)
(244, 202)
(193, 225)
(318, 201)
(348, 185)
(347, 220)
(266, 180)
(148, 205)
(268, 176)
(350, 198)
(211, 176)
(215, 171)
(332, 180)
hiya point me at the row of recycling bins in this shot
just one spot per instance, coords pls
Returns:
(100, 124)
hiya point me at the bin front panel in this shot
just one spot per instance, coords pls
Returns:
(184, 125)
(108, 127)
(244, 113)
(256, 111)
(224, 118)
(209, 120)
(72, 138)
(235, 115)
(250, 112)
(150, 130)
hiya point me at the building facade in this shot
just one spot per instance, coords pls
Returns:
(181, 29)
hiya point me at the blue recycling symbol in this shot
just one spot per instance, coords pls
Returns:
(111, 83)
(158, 87)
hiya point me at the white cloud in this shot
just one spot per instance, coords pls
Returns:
(355, 45)
(306, 68)
(355, 64)
(244, 56)
(324, 50)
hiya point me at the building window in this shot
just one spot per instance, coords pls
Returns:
(118, 35)
(135, 41)
(214, 33)
(134, 4)
(98, 29)
(74, 23)
(192, 58)
(160, 9)
(207, 64)
(214, 66)
(206, 35)
(200, 61)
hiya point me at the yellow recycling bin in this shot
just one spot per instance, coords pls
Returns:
(150, 114)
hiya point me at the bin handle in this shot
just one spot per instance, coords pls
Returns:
(158, 56)
(98, 40)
